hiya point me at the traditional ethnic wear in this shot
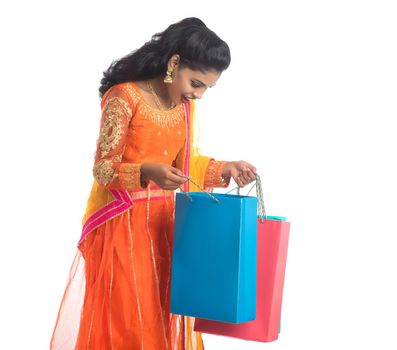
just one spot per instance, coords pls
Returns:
(118, 292)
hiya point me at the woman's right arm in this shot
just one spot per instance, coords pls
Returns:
(109, 170)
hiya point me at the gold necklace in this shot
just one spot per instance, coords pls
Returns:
(156, 98)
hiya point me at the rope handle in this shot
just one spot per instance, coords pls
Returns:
(198, 186)
(259, 193)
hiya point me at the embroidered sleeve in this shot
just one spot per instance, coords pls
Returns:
(213, 174)
(109, 170)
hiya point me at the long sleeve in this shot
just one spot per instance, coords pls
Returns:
(109, 170)
(213, 174)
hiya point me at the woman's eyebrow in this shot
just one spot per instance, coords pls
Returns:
(204, 84)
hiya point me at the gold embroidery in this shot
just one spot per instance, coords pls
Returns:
(113, 125)
(154, 193)
(213, 174)
(103, 171)
(135, 279)
(169, 248)
(134, 95)
(154, 261)
(118, 157)
(164, 119)
(130, 176)
(110, 302)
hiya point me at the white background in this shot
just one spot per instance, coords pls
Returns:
(309, 98)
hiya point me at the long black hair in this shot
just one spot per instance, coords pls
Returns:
(199, 48)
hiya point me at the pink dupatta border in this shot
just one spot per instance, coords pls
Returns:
(122, 202)
(186, 167)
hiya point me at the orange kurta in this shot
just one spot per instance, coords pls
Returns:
(118, 294)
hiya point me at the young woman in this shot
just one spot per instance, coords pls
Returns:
(118, 293)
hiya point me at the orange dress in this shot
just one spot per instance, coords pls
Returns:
(118, 292)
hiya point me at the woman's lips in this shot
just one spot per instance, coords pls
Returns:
(185, 98)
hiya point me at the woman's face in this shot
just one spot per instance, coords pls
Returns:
(189, 84)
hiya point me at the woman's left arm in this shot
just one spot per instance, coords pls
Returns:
(214, 175)
(219, 173)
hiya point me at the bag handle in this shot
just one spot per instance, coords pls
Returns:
(259, 193)
(198, 186)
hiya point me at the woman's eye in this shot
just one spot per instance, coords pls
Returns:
(195, 85)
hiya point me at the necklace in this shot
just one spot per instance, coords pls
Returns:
(156, 98)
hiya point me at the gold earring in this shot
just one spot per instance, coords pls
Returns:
(168, 77)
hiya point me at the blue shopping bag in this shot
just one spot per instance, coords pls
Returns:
(214, 257)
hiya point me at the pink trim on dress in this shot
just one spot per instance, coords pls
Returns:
(183, 332)
(122, 202)
(186, 168)
(122, 195)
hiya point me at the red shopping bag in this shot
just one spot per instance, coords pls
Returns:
(272, 240)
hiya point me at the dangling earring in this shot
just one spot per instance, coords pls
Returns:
(168, 77)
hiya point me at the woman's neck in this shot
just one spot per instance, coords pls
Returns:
(160, 88)
(161, 91)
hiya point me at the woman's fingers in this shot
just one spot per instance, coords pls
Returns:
(251, 175)
(241, 182)
(243, 173)
(246, 177)
(176, 176)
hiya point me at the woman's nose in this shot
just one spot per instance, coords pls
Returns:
(197, 95)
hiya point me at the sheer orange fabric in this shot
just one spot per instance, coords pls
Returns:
(118, 291)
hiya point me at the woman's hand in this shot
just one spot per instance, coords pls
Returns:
(165, 176)
(241, 171)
